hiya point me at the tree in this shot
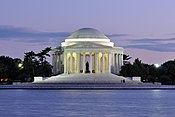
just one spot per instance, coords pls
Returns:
(35, 64)
(9, 68)
(127, 70)
(165, 80)
(43, 54)
(30, 64)
(168, 71)
(154, 73)
(44, 68)
(137, 69)
(126, 59)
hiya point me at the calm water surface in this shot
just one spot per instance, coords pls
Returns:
(87, 103)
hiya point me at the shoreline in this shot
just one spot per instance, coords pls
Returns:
(86, 87)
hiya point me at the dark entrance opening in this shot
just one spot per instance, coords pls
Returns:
(87, 67)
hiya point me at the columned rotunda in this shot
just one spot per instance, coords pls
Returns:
(87, 51)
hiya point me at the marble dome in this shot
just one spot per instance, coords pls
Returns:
(89, 33)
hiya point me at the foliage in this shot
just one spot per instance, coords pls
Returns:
(127, 70)
(35, 64)
(139, 69)
(9, 68)
(167, 72)
(149, 73)
(164, 79)
(126, 59)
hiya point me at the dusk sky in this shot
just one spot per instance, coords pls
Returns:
(144, 28)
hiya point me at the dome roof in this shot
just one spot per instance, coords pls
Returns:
(89, 33)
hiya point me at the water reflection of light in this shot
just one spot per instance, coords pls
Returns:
(156, 93)
(156, 90)
(156, 103)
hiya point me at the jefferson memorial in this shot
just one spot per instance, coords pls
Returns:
(86, 56)
(87, 51)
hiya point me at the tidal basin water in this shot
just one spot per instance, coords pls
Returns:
(87, 103)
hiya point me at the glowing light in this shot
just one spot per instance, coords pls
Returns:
(156, 65)
(20, 65)
(87, 39)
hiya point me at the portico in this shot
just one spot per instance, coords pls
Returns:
(99, 62)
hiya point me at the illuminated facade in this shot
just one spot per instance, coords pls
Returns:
(87, 51)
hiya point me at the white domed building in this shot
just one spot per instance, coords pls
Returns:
(87, 51)
(86, 56)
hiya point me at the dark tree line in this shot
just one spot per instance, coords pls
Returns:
(149, 73)
(34, 64)
(9, 67)
(167, 72)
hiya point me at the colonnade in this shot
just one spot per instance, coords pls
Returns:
(99, 62)
(57, 63)
(117, 62)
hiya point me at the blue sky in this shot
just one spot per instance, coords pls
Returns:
(145, 28)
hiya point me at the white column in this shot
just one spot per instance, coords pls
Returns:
(55, 56)
(109, 62)
(118, 63)
(90, 62)
(118, 60)
(77, 62)
(54, 63)
(96, 63)
(57, 63)
(103, 63)
(113, 62)
(65, 62)
(80, 62)
(84, 62)
(53, 60)
(71, 70)
(121, 59)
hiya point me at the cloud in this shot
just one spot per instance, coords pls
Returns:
(169, 34)
(160, 45)
(150, 40)
(27, 35)
(14, 33)
(55, 38)
(169, 47)
(117, 35)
